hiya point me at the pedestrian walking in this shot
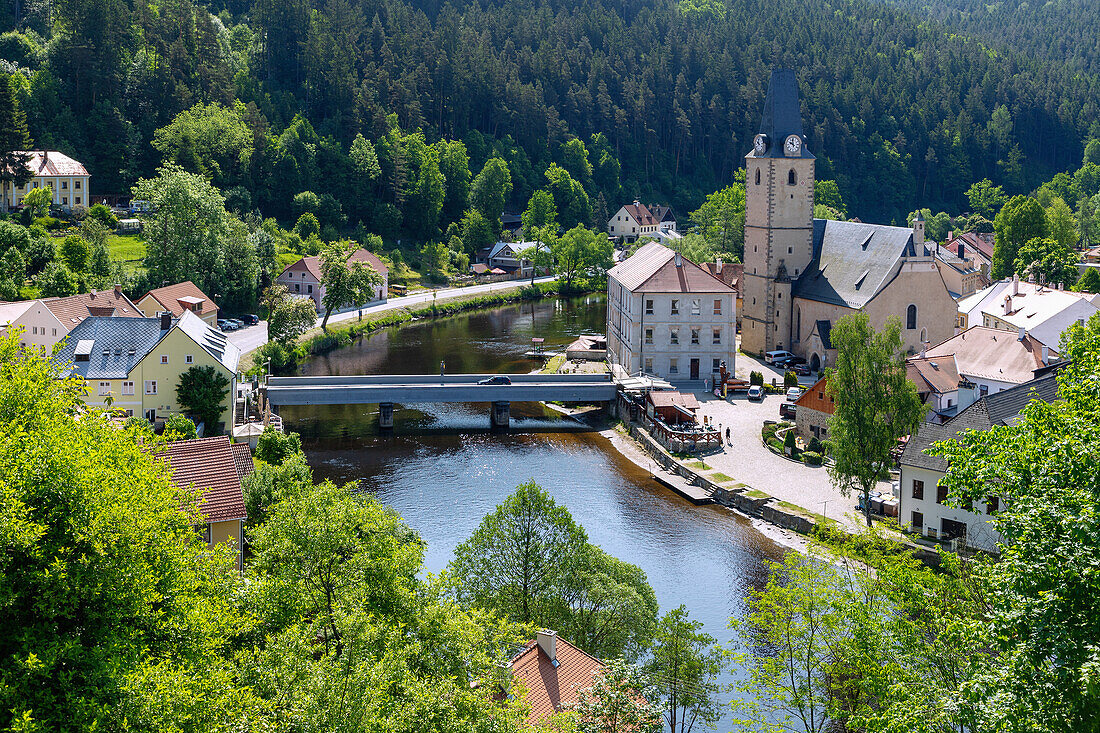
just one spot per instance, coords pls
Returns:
(728, 436)
(442, 368)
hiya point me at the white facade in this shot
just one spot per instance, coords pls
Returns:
(67, 178)
(41, 328)
(678, 334)
(921, 507)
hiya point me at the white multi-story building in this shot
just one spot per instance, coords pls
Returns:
(638, 220)
(668, 317)
(924, 505)
(1044, 311)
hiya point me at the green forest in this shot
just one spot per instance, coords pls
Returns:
(393, 108)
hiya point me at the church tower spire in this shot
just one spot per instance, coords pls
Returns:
(779, 210)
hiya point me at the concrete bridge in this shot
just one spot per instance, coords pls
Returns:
(405, 389)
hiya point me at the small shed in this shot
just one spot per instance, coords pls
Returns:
(590, 348)
(672, 407)
(126, 226)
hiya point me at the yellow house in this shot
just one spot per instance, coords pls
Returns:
(67, 178)
(216, 470)
(135, 364)
(178, 298)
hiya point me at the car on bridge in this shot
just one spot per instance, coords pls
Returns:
(496, 380)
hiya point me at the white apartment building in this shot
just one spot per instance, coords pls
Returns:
(1043, 311)
(67, 178)
(668, 317)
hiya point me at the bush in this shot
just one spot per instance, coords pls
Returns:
(103, 215)
(790, 379)
(812, 458)
(178, 427)
(275, 447)
(48, 223)
(776, 445)
(789, 441)
(756, 378)
(815, 445)
(282, 359)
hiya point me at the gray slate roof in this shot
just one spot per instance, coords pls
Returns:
(782, 114)
(1002, 408)
(210, 339)
(116, 345)
(852, 261)
(824, 328)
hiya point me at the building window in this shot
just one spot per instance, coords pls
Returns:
(54, 331)
(65, 200)
(649, 365)
(918, 521)
(104, 388)
(792, 177)
(911, 317)
(164, 358)
(918, 489)
(189, 359)
(77, 199)
(673, 367)
(64, 185)
(649, 306)
(76, 185)
(717, 306)
(993, 505)
(695, 306)
(127, 388)
(297, 287)
(757, 176)
(150, 386)
(716, 336)
(941, 494)
(695, 336)
(674, 336)
(129, 413)
(309, 289)
(675, 310)
(649, 336)
(716, 365)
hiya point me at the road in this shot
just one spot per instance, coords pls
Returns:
(253, 337)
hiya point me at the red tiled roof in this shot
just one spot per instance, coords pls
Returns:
(209, 465)
(53, 163)
(730, 273)
(550, 688)
(653, 269)
(641, 214)
(169, 298)
(73, 309)
(312, 265)
(981, 242)
(242, 459)
(671, 399)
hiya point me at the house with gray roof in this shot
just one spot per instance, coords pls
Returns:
(924, 505)
(133, 365)
(803, 274)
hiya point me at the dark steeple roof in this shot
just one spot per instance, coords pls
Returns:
(782, 113)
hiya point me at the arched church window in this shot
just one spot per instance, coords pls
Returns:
(911, 317)
(792, 177)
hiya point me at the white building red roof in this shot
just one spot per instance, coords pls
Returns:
(53, 163)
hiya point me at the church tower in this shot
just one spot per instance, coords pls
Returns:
(779, 218)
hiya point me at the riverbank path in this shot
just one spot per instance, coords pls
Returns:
(253, 337)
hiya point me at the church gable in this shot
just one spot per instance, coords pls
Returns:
(852, 261)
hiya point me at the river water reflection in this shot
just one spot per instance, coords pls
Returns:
(443, 469)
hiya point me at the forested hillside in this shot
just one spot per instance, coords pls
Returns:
(1064, 31)
(901, 112)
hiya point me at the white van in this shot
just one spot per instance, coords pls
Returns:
(773, 356)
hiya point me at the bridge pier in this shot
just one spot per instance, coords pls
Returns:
(385, 415)
(500, 414)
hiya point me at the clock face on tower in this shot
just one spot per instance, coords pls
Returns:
(793, 145)
(760, 144)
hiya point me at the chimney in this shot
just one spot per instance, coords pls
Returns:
(1016, 284)
(679, 259)
(118, 289)
(548, 642)
(1061, 286)
(1046, 354)
(950, 234)
(923, 349)
(165, 320)
(1023, 334)
(1008, 304)
(718, 263)
(92, 295)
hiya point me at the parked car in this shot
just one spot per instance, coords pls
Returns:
(787, 410)
(773, 356)
(756, 392)
(793, 394)
(802, 370)
(496, 380)
(251, 319)
(236, 322)
(227, 325)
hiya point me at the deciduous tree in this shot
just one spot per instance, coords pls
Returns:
(1018, 222)
(490, 190)
(287, 317)
(202, 390)
(684, 669)
(616, 703)
(875, 403)
(345, 283)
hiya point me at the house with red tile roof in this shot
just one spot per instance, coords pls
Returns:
(632, 221)
(551, 672)
(176, 299)
(67, 178)
(46, 321)
(216, 470)
(303, 278)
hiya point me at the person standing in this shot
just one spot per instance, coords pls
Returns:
(442, 368)
(728, 436)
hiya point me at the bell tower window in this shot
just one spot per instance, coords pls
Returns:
(757, 176)
(792, 178)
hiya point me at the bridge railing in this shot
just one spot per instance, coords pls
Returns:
(387, 379)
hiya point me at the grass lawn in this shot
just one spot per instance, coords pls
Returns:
(554, 364)
(757, 494)
(819, 518)
(720, 478)
(698, 464)
(129, 249)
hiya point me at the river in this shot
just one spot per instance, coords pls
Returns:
(443, 469)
